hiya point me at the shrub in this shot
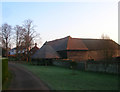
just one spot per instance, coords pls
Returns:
(4, 69)
(42, 61)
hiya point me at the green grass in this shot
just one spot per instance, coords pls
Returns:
(63, 79)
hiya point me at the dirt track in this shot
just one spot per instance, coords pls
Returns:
(24, 79)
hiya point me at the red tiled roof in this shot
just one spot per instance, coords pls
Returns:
(76, 44)
(34, 49)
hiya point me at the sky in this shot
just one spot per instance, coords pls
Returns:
(54, 20)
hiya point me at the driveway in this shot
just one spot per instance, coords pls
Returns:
(24, 79)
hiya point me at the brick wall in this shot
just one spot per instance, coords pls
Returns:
(77, 55)
(85, 55)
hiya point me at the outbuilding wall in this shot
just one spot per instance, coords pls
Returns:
(86, 55)
(77, 55)
(95, 55)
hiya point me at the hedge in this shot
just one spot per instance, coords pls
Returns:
(4, 69)
(42, 61)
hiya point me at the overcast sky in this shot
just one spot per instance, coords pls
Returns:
(55, 20)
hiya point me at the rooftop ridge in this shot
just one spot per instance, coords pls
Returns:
(92, 39)
(59, 39)
(78, 38)
(71, 46)
(68, 42)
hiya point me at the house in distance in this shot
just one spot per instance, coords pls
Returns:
(34, 49)
(79, 49)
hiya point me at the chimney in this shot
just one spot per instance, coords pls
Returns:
(35, 44)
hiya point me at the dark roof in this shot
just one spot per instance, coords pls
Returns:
(46, 51)
(59, 44)
(99, 44)
(69, 43)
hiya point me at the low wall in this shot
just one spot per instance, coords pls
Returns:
(62, 63)
(110, 68)
(41, 61)
(67, 64)
(95, 67)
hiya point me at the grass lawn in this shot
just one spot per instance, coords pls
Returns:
(59, 78)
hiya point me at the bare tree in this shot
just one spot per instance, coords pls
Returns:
(18, 31)
(29, 35)
(19, 39)
(108, 49)
(103, 36)
(6, 36)
(0, 36)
